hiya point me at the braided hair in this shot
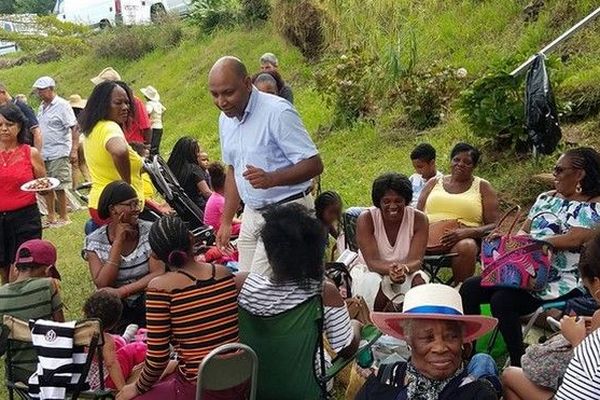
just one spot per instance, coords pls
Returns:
(588, 160)
(170, 241)
(325, 200)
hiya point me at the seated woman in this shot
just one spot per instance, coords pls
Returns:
(216, 202)
(437, 332)
(295, 244)
(464, 197)
(119, 254)
(581, 375)
(391, 238)
(182, 312)
(328, 209)
(565, 218)
(184, 162)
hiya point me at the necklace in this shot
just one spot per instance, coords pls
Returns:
(11, 155)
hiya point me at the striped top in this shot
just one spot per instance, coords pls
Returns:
(195, 320)
(260, 296)
(134, 266)
(582, 379)
(33, 298)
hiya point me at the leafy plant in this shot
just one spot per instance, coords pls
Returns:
(256, 10)
(213, 14)
(493, 106)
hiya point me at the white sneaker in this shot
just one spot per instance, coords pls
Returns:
(130, 332)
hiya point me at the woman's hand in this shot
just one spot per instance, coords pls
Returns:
(573, 330)
(128, 392)
(124, 230)
(451, 238)
(398, 273)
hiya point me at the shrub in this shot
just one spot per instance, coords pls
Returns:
(132, 43)
(256, 10)
(344, 83)
(580, 95)
(301, 22)
(426, 95)
(213, 14)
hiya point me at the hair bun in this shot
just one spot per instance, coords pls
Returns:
(177, 258)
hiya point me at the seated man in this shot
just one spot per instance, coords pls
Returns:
(423, 160)
(32, 294)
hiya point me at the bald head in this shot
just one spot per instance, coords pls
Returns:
(229, 64)
(230, 86)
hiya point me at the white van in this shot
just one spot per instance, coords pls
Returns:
(7, 47)
(177, 7)
(104, 13)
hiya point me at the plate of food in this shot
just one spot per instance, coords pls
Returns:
(40, 185)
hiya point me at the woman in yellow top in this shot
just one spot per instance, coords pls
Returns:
(108, 155)
(464, 197)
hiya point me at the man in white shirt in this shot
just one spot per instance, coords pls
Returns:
(423, 160)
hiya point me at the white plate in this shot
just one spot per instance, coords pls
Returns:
(53, 183)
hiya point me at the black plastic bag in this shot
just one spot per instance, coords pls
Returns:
(541, 116)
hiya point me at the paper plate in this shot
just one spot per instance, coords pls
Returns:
(40, 185)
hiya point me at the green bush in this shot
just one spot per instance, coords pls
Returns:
(132, 43)
(579, 95)
(256, 10)
(343, 81)
(301, 23)
(213, 14)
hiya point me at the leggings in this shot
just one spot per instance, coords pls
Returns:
(508, 305)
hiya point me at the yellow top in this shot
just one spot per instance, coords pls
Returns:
(148, 186)
(101, 165)
(466, 207)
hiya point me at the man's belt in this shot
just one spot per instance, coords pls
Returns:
(287, 199)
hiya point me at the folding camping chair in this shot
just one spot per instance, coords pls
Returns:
(226, 367)
(432, 263)
(88, 334)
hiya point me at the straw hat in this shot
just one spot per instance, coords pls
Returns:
(107, 74)
(76, 101)
(433, 301)
(151, 93)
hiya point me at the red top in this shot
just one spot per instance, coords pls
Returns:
(137, 126)
(15, 170)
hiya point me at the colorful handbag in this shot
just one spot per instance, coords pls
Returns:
(515, 261)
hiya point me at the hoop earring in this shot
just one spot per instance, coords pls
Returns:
(578, 189)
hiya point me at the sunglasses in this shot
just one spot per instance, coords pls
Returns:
(132, 204)
(559, 170)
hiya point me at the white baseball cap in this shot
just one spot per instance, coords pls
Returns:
(44, 82)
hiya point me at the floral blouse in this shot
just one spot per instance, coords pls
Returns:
(550, 216)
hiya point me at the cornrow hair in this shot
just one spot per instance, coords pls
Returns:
(169, 239)
(325, 200)
(588, 160)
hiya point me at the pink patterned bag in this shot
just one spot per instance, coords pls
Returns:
(515, 261)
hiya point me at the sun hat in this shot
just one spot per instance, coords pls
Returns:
(76, 101)
(107, 74)
(40, 252)
(44, 82)
(433, 301)
(151, 93)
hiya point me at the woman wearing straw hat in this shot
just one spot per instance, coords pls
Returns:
(80, 170)
(155, 110)
(437, 333)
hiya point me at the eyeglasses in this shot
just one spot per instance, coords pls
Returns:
(559, 170)
(132, 204)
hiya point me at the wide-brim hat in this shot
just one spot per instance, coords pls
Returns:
(76, 101)
(151, 93)
(107, 74)
(437, 302)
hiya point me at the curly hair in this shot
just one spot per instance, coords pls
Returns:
(295, 244)
(423, 151)
(588, 160)
(104, 305)
(391, 181)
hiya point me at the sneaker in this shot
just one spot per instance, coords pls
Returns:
(59, 223)
(130, 332)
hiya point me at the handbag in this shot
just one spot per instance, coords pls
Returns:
(545, 364)
(436, 231)
(515, 261)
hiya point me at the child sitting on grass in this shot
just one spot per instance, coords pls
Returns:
(120, 353)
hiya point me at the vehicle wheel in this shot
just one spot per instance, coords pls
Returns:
(104, 24)
(157, 13)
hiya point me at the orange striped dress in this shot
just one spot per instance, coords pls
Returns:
(195, 319)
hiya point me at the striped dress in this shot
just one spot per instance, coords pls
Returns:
(195, 320)
(582, 379)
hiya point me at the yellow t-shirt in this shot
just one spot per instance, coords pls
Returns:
(101, 165)
(466, 207)
(148, 186)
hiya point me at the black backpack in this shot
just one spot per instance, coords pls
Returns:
(540, 109)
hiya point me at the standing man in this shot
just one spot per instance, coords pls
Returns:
(268, 62)
(34, 134)
(269, 155)
(59, 150)
(138, 128)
